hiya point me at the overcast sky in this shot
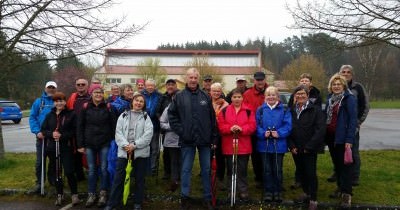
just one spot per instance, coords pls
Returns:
(179, 21)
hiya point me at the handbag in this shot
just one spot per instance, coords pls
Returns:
(348, 156)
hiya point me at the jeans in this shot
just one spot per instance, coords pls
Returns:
(273, 173)
(38, 165)
(188, 153)
(92, 155)
(117, 189)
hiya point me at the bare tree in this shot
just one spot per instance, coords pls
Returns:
(150, 68)
(54, 26)
(352, 21)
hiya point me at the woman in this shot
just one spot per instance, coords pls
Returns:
(274, 124)
(237, 118)
(218, 103)
(306, 139)
(133, 136)
(123, 102)
(171, 144)
(341, 121)
(95, 129)
(59, 126)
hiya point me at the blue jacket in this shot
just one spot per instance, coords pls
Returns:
(120, 105)
(40, 108)
(152, 101)
(278, 118)
(347, 119)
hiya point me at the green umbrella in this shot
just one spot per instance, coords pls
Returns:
(127, 183)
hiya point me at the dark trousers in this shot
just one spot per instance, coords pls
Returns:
(241, 174)
(166, 159)
(307, 169)
(297, 173)
(38, 164)
(66, 159)
(220, 162)
(356, 157)
(155, 152)
(343, 172)
(139, 172)
(175, 162)
(256, 160)
(273, 172)
(78, 166)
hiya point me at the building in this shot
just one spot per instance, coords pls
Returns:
(121, 65)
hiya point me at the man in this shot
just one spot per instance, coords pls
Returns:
(207, 81)
(241, 84)
(192, 117)
(115, 91)
(76, 102)
(152, 97)
(166, 99)
(254, 97)
(40, 108)
(359, 92)
(313, 96)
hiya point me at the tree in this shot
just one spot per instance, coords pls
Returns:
(305, 64)
(150, 69)
(205, 67)
(352, 21)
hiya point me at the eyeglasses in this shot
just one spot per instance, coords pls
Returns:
(346, 72)
(80, 84)
(301, 94)
(51, 87)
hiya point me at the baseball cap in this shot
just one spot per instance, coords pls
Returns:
(207, 77)
(50, 83)
(259, 75)
(170, 80)
(240, 78)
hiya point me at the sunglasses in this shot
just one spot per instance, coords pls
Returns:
(80, 84)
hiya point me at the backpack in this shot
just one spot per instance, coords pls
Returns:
(144, 115)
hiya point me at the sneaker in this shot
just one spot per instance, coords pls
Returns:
(59, 199)
(90, 200)
(332, 178)
(102, 199)
(346, 201)
(313, 205)
(302, 199)
(335, 194)
(267, 197)
(75, 199)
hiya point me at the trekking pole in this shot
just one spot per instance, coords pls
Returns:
(234, 167)
(58, 162)
(276, 154)
(42, 169)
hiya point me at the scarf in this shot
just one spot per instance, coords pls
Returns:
(333, 101)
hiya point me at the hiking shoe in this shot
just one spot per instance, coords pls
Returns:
(267, 197)
(335, 194)
(59, 199)
(90, 200)
(102, 199)
(332, 178)
(302, 199)
(346, 201)
(75, 199)
(313, 205)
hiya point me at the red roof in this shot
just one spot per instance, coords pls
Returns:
(178, 70)
(191, 52)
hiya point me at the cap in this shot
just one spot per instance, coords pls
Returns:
(93, 87)
(207, 77)
(51, 83)
(259, 75)
(240, 78)
(170, 80)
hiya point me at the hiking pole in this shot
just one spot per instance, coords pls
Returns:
(42, 169)
(234, 167)
(58, 162)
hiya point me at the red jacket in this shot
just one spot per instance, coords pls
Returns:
(247, 122)
(253, 98)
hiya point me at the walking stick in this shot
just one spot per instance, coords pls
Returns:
(234, 167)
(42, 169)
(58, 162)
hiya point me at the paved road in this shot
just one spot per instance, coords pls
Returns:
(379, 131)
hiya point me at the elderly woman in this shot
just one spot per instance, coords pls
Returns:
(341, 121)
(132, 135)
(237, 118)
(306, 139)
(274, 125)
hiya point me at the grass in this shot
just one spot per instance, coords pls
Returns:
(379, 181)
(395, 104)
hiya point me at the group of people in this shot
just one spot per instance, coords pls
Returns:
(247, 122)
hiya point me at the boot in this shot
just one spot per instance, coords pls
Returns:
(346, 200)
(102, 199)
(90, 200)
(313, 205)
(75, 199)
(59, 199)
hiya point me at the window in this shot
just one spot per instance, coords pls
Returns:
(133, 80)
(113, 80)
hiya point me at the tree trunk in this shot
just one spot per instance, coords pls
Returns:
(1, 143)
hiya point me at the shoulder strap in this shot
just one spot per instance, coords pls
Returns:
(41, 105)
(145, 115)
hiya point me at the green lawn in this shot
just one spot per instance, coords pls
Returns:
(379, 181)
(395, 104)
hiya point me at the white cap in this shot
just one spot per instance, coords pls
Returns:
(51, 83)
(240, 77)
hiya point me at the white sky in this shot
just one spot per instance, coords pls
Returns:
(179, 21)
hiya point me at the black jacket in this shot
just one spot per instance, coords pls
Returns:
(308, 131)
(192, 116)
(314, 96)
(64, 123)
(95, 126)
